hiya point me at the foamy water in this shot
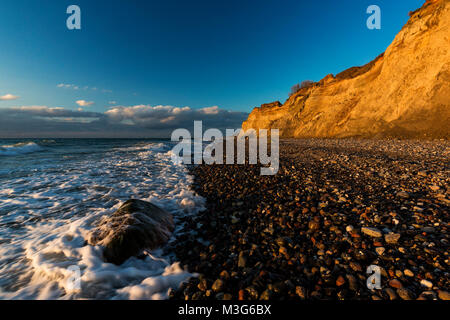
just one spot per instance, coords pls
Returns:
(51, 195)
(19, 148)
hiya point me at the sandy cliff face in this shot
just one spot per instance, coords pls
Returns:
(404, 92)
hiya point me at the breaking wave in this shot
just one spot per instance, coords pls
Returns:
(20, 148)
(51, 202)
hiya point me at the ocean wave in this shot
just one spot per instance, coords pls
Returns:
(53, 215)
(20, 148)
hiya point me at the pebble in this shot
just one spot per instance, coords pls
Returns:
(405, 294)
(428, 229)
(261, 231)
(391, 238)
(352, 282)
(301, 292)
(355, 266)
(242, 262)
(218, 285)
(224, 275)
(203, 285)
(394, 283)
(391, 293)
(313, 225)
(373, 232)
(426, 283)
(444, 295)
(403, 194)
(408, 273)
(434, 188)
(227, 296)
(340, 281)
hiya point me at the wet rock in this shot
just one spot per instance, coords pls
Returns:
(242, 262)
(403, 194)
(391, 293)
(220, 296)
(352, 282)
(227, 296)
(135, 226)
(426, 283)
(340, 281)
(266, 295)
(355, 266)
(394, 283)
(392, 238)
(408, 273)
(218, 285)
(405, 294)
(427, 295)
(444, 295)
(197, 296)
(372, 232)
(301, 292)
(434, 188)
(428, 229)
(225, 275)
(202, 285)
(313, 225)
(252, 293)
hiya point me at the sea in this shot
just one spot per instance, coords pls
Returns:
(52, 194)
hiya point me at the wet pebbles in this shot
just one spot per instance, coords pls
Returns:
(310, 232)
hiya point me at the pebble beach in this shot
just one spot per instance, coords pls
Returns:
(334, 208)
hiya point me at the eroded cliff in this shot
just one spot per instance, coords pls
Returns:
(404, 92)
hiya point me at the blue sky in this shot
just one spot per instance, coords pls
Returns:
(232, 54)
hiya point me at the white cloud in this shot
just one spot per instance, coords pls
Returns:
(84, 103)
(169, 117)
(37, 109)
(210, 110)
(77, 87)
(67, 86)
(8, 96)
(118, 121)
(112, 102)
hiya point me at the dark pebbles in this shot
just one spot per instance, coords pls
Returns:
(310, 232)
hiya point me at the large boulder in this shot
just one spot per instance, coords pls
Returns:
(135, 226)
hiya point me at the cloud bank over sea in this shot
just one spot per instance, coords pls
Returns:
(117, 122)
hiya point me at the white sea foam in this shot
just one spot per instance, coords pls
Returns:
(46, 216)
(19, 148)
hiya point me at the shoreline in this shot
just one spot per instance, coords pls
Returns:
(310, 232)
